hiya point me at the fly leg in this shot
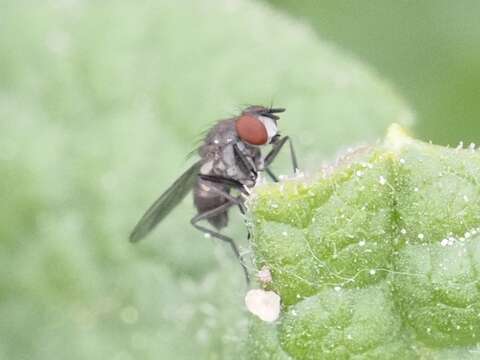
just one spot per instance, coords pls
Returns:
(271, 174)
(219, 179)
(274, 152)
(212, 213)
(228, 182)
(245, 163)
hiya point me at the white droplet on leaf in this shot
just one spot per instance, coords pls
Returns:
(264, 304)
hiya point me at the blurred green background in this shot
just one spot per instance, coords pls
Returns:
(427, 49)
(101, 101)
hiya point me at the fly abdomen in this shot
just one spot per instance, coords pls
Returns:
(206, 199)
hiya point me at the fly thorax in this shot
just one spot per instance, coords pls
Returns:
(207, 167)
(228, 156)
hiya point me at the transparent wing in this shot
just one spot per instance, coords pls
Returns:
(165, 203)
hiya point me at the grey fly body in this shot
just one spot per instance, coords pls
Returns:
(230, 158)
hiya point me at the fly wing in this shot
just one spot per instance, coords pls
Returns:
(166, 203)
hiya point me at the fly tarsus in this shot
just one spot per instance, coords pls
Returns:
(212, 213)
(277, 146)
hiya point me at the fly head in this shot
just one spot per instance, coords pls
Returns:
(257, 125)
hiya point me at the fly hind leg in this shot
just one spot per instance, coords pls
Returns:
(212, 213)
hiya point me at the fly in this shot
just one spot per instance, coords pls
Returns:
(230, 159)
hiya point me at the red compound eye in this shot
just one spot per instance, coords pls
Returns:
(251, 130)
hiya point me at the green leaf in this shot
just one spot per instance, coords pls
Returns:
(376, 258)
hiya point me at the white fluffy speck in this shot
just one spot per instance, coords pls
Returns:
(403, 231)
(415, 189)
(284, 233)
(207, 235)
(361, 243)
(382, 180)
(465, 198)
(421, 236)
(372, 272)
(337, 288)
(359, 173)
(264, 304)
(264, 275)
(402, 161)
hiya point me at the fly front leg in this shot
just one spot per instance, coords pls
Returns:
(271, 174)
(245, 163)
(277, 146)
(212, 213)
